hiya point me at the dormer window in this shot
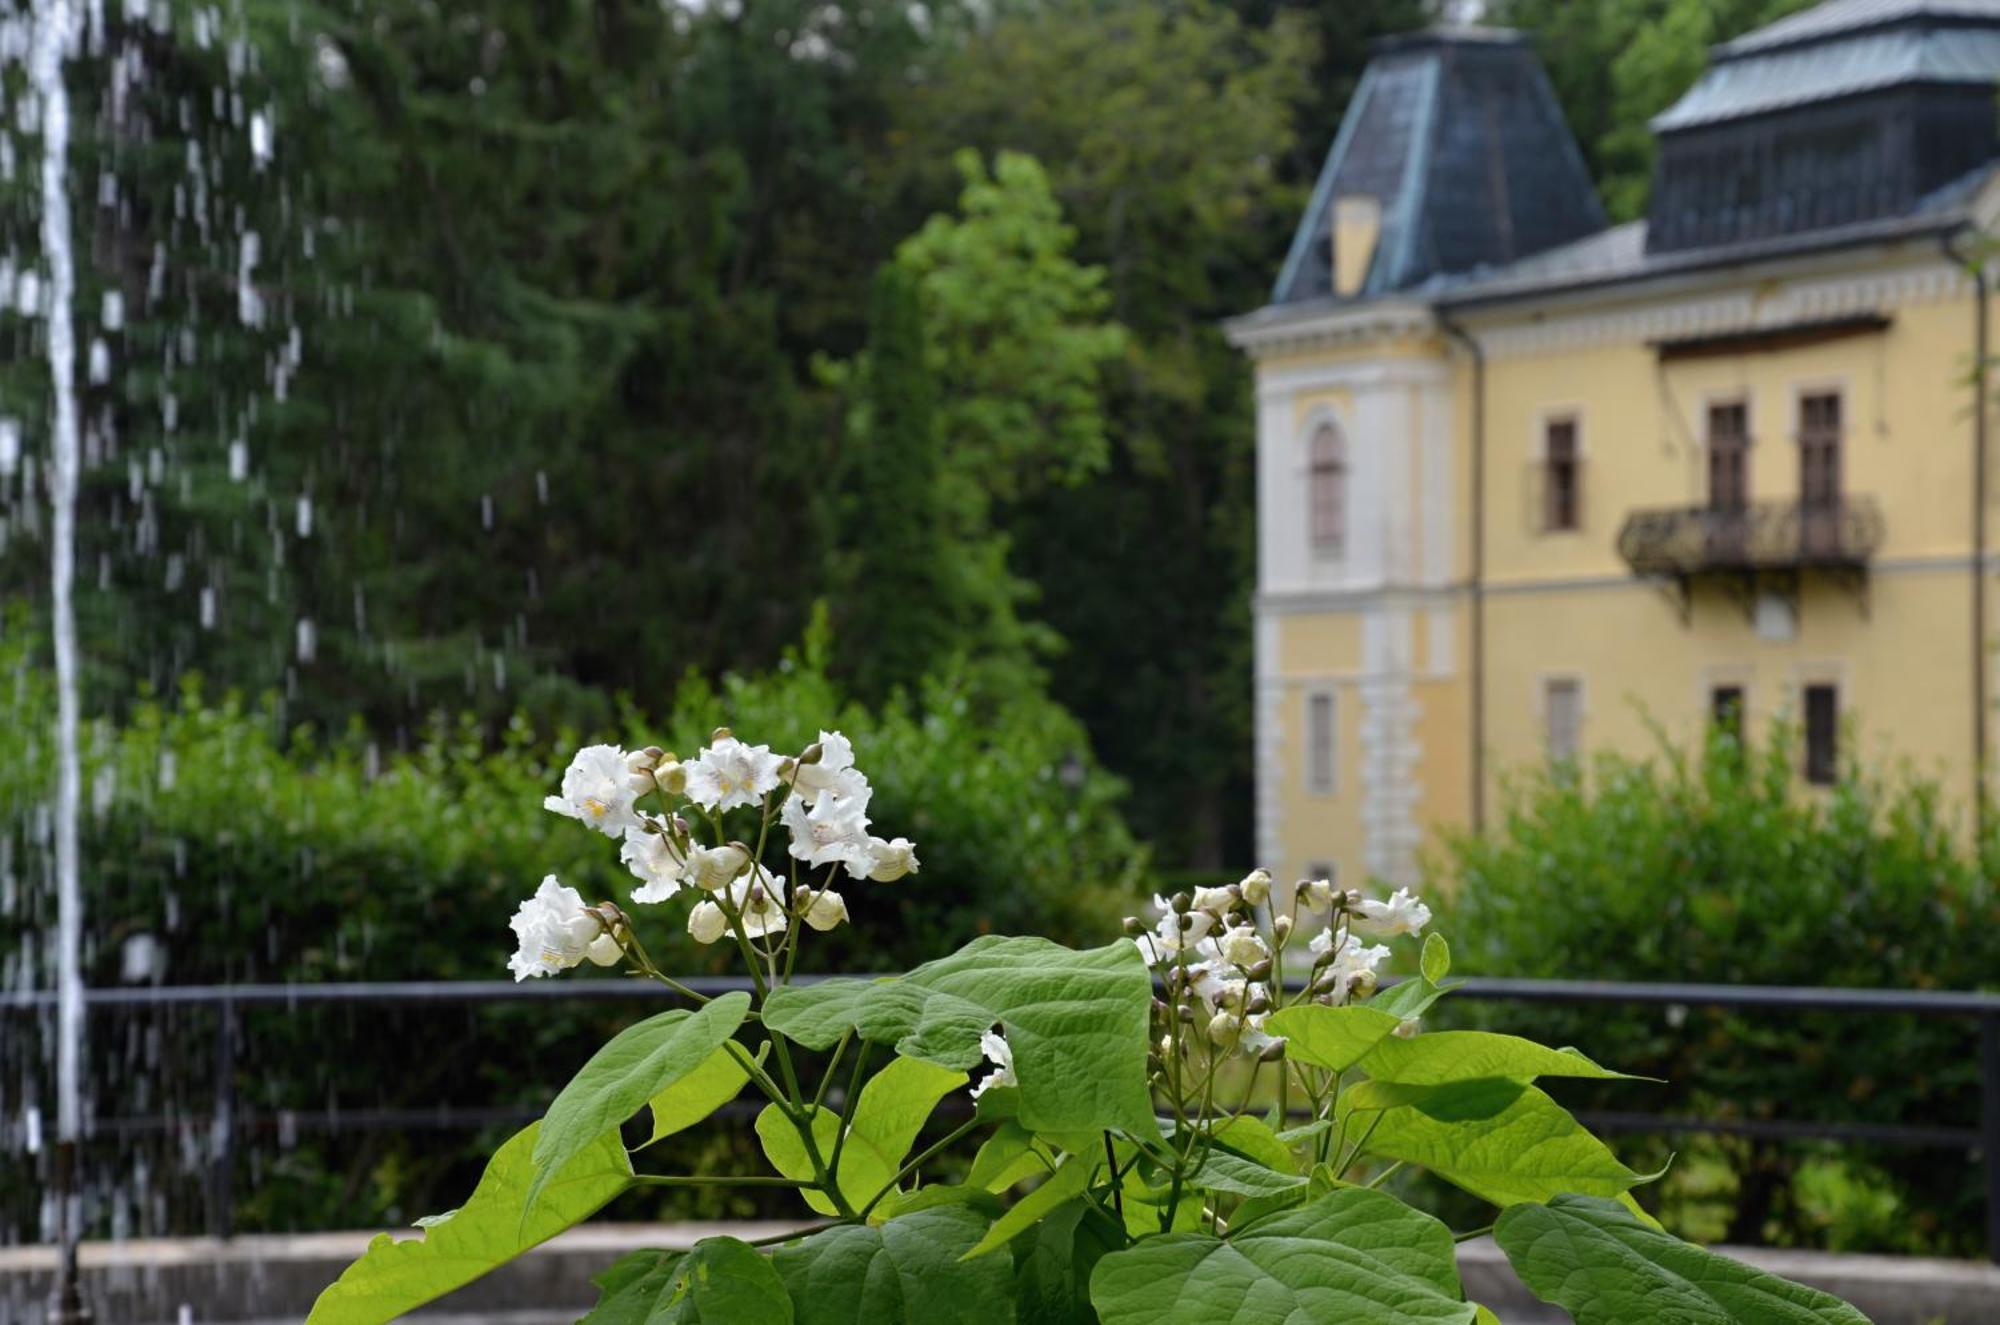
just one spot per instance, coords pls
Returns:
(1326, 486)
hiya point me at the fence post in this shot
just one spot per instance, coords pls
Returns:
(222, 1128)
(1989, 1126)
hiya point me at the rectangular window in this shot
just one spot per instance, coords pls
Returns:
(1822, 735)
(1725, 711)
(1729, 455)
(1562, 716)
(1320, 744)
(1562, 477)
(1819, 474)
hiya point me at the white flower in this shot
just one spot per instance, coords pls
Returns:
(1401, 914)
(730, 773)
(1001, 1054)
(554, 931)
(1242, 947)
(1168, 938)
(598, 789)
(1317, 893)
(706, 923)
(1218, 901)
(759, 897)
(655, 861)
(825, 910)
(890, 861)
(710, 868)
(1256, 887)
(836, 756)
(1256, 1040)
(1353, 968)
(835, 828)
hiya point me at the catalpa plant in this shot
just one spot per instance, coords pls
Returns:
(1191, 1124)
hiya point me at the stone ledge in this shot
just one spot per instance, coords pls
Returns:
(269, 1279)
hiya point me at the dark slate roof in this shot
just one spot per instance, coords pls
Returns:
(1839, 49)
(1456, 134)
(1839, 17)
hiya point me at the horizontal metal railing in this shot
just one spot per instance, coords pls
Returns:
(1766, 535)
(229, 1000)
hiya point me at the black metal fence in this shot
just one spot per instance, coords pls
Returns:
(228, 1120)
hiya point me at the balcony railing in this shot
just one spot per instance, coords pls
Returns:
(1771, 535)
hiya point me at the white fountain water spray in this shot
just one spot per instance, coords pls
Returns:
(56, 30)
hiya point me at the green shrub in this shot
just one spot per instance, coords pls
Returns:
(219, 848)
(1720, 866)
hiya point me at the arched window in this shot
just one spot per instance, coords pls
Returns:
(1327, 489)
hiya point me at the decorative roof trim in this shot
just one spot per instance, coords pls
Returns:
(1289, 329)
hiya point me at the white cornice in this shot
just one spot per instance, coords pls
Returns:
(1278, 330)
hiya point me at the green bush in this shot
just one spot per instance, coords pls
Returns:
(219, 848)
(1719, 866)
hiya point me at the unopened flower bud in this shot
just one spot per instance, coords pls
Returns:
(1260, 970)
(786, 767)
(643, 761)
(1351, 899)
(706, 922)
(825, 910)
(1160, 1008)
(1256, 887)
(1273, 1052)
(719, 735)
(1326, 984)
(1362, 984)
(670, 776)
(1216, 901)
(1182, 903)
(813, 753)
(1316, 893)
(1185, 1013)
(1134, 926)
(1260, 1003)
(1187, 920)
(1224, 1028)
(1325, 1000)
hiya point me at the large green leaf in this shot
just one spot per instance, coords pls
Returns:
(909, 1271)
(637, 1064)
(494, 1226)
(1604, 1267)
(1076, 1022)
(722, 1281)
(1221, 1171)
(629, 1286)
(1072, 1175)
(718, 1080)
(1441, 1057)
(1052, 1265)
(1333, 1038)
(887, 1118)
(1353, 1257)
(1498, 1139)
(1011, 1154)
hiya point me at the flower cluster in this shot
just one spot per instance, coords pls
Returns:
(1220, 953)
(818, 797)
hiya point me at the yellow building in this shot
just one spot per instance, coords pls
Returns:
(1532, 486)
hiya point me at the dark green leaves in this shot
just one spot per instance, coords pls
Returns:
(1353, 1257)
(498, 1223)
(1604, 1267)
(640, 1062)
(1076, 1022)
(723, 1282)
(909, 1271)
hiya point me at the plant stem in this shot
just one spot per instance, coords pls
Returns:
(826, 1078)
(1117, 1183)
(847, 1103)
(925, 1157)
(771, 1239)
(1470, 1234)
(1383, 1176)
(664, 1180)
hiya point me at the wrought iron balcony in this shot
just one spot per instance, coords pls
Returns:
(1685, 541)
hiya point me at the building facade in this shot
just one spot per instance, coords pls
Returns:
(1531, 486)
